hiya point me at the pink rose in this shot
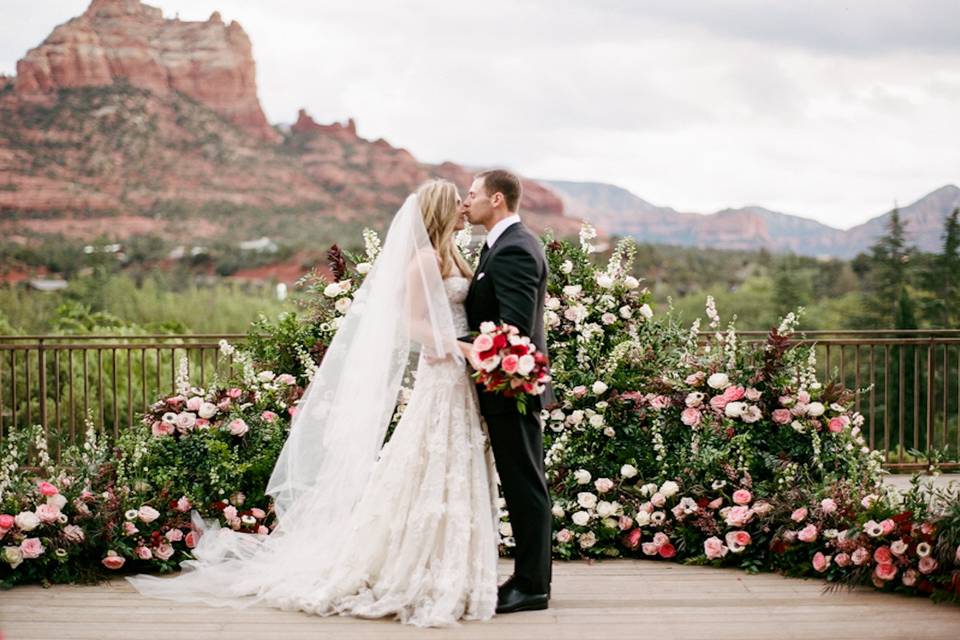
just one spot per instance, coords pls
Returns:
(926, 528)
(842, 559)
(649, 548)
(715, 503)
(885, 571)
(259, 514)
(741, 538)
(667, 551)
(658, 499)
(714, 548)
(762, 508)
(752, 394)
(129, 528)
(174, 535)
(828, 506)
(161, 428)
(808, 533)
(113, 561)
(564, 536)
(837, 424)
(6, 522)
(193, 404)
(632, 539)
(860, 556)
(882, 555)
(803, 397)
(696, 379)
(660, 539)
(737, 516)
(733, 393)
(47, 489)
(659, 402)
(510, 363)
(603, 485)
(292, 411)
(799, 515)
(690, 417)
(73, 533)
(202, 423)
(742, 496)
(909, 577)
(268, 416)
(191, 539)
(186, 421)
(820, 562)
(927, 564)
(48, 513)
(887, 526)
(31, 548)
(143, 552)
(230, 512)
(164, 551)
(238, 427)
(625, 522)
(262, 530)
(174, 402)
(718, 402)
(286, 378)
(579, 391)
(147, 514)
(233, 393)
(482, 343)
(782, 416)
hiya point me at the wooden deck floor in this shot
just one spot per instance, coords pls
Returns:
(613, 599)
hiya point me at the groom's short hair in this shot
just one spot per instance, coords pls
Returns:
(502, 181)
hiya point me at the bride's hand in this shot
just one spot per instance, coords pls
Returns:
(468, 353)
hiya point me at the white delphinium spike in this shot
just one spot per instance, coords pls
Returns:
(587, 233)
(183, 376)
(371, 243)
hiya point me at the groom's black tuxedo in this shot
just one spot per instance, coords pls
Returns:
(509, 286)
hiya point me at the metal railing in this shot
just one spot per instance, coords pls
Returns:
(905, 383)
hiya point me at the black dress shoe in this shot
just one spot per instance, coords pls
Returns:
(511, 600)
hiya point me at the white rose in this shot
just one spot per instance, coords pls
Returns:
(628, 471)
(669, 488)
(603, 484)
(343, 305)
(751, 414)
(332, 290)
(626, 312)
(734, 409)
(576, 417)
(344, 286)
(609, 432)
(648, 489)
(551, 319)
(148, 514)
(815, 409)
(582, 476)
(718, 381)
(265, 376)
(586, 500)
(363, 268)
(596, 420)
(207, 410)
(631, 283)
(26, 521)
(59, 501)
(642, 519)
(572, 290)
(798, 426)
(525, 364)
(557, 511)
(604, 509)
(552, 303)
(646, 311)
(608, 318)
(580, 518)
(487, 327)
(566, 267)
(12, 556)
(506, 530)
(599, 387)
(604, 281)
(587, 540)
(557, 414)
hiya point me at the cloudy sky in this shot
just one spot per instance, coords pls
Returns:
(828, 109)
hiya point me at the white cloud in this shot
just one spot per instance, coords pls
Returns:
(830, 110)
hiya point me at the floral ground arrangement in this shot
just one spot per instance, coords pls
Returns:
(666, 444)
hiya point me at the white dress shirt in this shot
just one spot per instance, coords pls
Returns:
(500, 227)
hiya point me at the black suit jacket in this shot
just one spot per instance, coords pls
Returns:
(510, 285)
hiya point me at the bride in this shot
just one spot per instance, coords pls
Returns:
(407, 528)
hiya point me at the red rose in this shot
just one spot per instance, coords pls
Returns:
(499, 341)
(519, 349)
(667, 550)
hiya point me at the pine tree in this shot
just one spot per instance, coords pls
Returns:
(888, 277)
(942, 280)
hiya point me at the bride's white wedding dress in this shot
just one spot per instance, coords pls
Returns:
(420, 544)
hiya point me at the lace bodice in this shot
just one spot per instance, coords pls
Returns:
(457, 287)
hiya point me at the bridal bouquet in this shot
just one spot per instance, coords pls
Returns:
(509, 363)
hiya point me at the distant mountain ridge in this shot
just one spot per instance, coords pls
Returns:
(620, 212)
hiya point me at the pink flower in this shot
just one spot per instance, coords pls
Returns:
(927, 564)
(909, 577)
(624, 522)
(73, 533)
(658, 499)
(659, 402)
(762, 508)
(803, 397)
(147, 514)
(482, 343)
(510, 363)
(230, 512)
(113, 561)
(898, 547)
(47, 489)
(48, 513)
(31, 548)
(631, 540)
(733, 393)
(695, 379)
(238, 427)
(129, 528)
(885, 571)
(262, 530)
(292, 411)
(799, 515)
(649, 548)
(737, 516)
(286, 378)
(828, 506)
(183, 504)
(143, 552)
(882, 555)
(193, 404)
(191, 539)
(202, 423)
(667, 551)
(161, 428)
(259, 514)
(808, 533)
(186, 421)
(842, 559)
(164, 551)
(926, 529)
(174, 402)
(174, 535)
(690, 417)
(6, 522)
(660, 539)
(233, 393)
(714, 548)
(820, 562)
(742, 496)
(752, 394)
(837, 424)
(268, 416)
(603, 485)
(718, 402)
(860, 556)
(579, 391)
(715, 503)
(782, 416)
(737, 540)
(887, 526)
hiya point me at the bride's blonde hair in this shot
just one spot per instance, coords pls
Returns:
(438, 205)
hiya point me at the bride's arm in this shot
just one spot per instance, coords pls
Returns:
(421, 318)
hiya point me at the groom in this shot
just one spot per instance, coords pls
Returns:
(509, 286)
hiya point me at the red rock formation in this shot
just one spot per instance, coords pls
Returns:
(126, 40)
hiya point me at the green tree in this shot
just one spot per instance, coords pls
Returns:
(942, 278)
(887, 279)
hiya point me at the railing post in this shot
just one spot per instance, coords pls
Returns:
(42, 381)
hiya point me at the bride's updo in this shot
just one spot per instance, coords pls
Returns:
(438, 205)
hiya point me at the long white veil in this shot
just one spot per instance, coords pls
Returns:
(335, 436)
